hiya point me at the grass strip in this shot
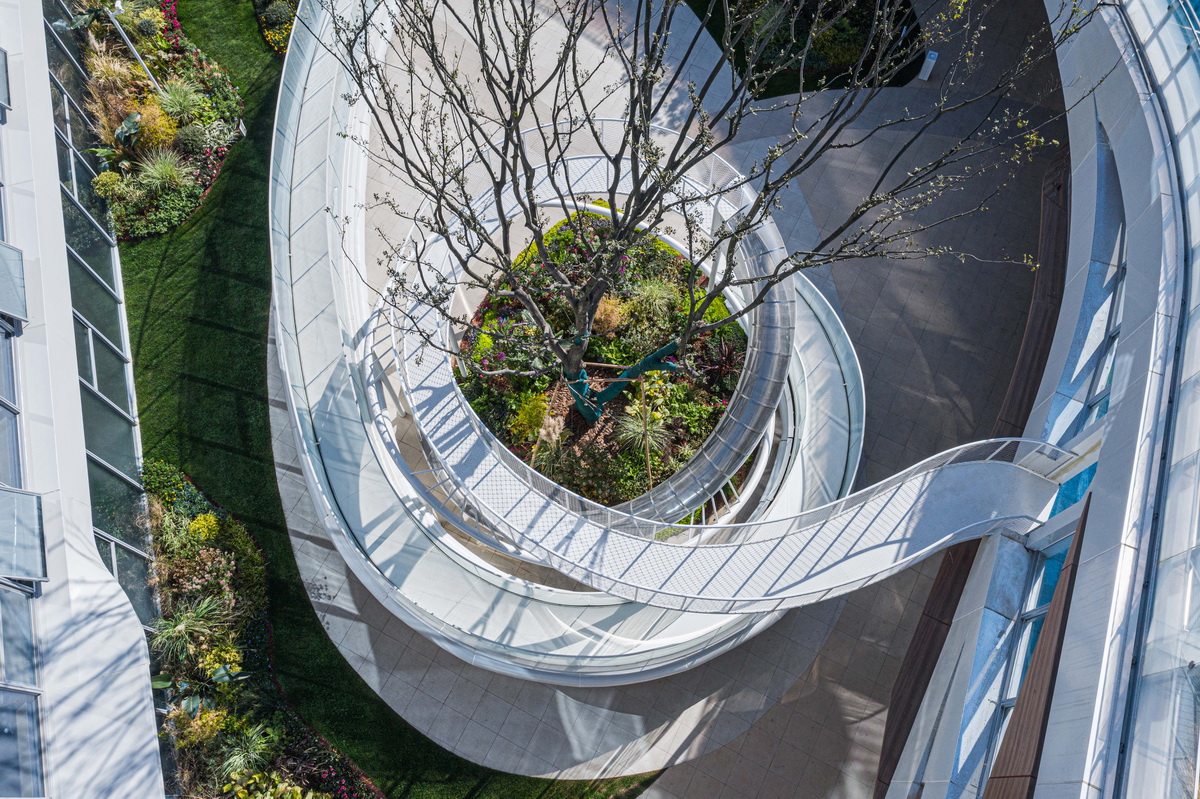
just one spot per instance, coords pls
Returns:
(198, 301)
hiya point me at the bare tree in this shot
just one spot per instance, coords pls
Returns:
(478, 107)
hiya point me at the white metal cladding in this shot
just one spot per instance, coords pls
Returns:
(391, 542)
(711, 192)
(966, 492)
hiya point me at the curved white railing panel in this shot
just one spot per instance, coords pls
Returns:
(778, 564)
(387, 537)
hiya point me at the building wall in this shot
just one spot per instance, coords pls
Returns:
(1125, 229)
(97, 712)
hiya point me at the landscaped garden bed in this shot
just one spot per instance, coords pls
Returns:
(163, 135)
(230, 727)
(655, 426)
(275, 19)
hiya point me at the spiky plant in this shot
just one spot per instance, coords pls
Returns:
(180, 100)
(162, 169)
(176, 637)
(248, 750)
(644, 425)
(652, 299)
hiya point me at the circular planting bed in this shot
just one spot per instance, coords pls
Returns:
(657, 423)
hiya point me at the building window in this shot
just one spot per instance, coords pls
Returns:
(21, 764)
(5, 92)
(10, 452)
(1028, 628)
(1098, 392)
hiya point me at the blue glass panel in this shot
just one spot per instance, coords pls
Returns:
(1073, 490)
(12, 282)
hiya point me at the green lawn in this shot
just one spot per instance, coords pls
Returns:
(198, 302)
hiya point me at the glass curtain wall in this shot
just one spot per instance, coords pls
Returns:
(20, 744)
(101, 348)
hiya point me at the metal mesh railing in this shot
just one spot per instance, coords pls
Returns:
(719, 193)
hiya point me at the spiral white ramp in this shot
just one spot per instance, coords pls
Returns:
(689, 603)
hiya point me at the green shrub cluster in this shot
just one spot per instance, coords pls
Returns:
(233, 735)
(641, 313)
(162, 139)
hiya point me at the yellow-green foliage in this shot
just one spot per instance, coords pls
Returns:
(221, 655)
(199, 729)
(108, 184)
(153, 15)
(244, 785)
(157, 128)
(483, 345)
(204, 527)
(525, 423)
(717, 311)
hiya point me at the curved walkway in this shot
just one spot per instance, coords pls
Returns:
(509, 625)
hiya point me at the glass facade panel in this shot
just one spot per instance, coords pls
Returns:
(60, 109)
(65, 176)
(12, 282)
(117, 507)
(110, 374)
(21, 762)
(1050, 571)
(108, 435)
(10, 466)
(133, 573)
(88, 242)
(22, 553)
(64, 70)
(83, 351)
(5, 94)
(105, 548)
(16, 630)
(8, 382)
(92, 202)
(94, 302)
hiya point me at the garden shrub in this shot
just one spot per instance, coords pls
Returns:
(605, 462)
(528, 417)
(180, 100)
(138, 119)
(277, 14)
(226, 718)
(204, 527)
(717, 310)
(108, 185)
(191, 139)
(841, 45)
(147, 28)
(198, 729)
(157, 128)
(247, 785)
(609, 316)
(250, 579)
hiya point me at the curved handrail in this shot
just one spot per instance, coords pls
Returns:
(723, 194)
